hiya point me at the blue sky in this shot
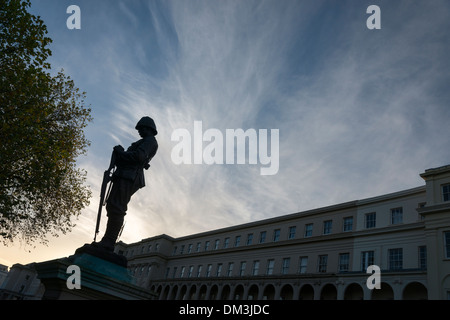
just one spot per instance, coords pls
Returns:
(360, 112)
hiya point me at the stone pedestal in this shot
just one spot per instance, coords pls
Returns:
(99, 279)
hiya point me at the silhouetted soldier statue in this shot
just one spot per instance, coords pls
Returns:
(128, 178)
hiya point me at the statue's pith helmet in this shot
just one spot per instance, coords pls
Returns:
(147, 122)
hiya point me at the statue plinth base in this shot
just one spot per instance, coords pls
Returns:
(95, 250)
(99, 279)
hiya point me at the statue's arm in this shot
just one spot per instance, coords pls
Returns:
(137, 156)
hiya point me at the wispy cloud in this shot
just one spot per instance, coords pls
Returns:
(350, 126)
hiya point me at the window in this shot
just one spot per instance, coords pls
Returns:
(302, 265)
(291, 234)
(255, 268)
(242, 268)
(174, 272)
(396, 215)
(344, 262)
(276, 235)
(327, 226)
(322, 265)
(219, 270)
(199, 271)
(237, 241)
(262, 237)
(308, 230)
(447, 244)
(249, 239)
(446, 192)
(270, 265)
(167, 273)
(182, 249)
(367, 259)
(206, 245)
(174, 250)
(421, 205)
(423, 257)
(208, 270)
(285, 267)
(182, 272)
(226, 243)
(348, 224)
(230, 269)
(190, 248)
(370, 220)
(396, 259)
(199, 245)
(191, 269)
(216, 244)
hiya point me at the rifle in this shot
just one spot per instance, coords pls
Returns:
(107, 177)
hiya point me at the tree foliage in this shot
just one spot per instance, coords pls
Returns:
(42, 118)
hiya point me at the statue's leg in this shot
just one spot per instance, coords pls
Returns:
(112, 232)
(116, 206)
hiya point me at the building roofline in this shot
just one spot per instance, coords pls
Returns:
(336, 207)
(392, 195)
(435, 171)
(281, 218)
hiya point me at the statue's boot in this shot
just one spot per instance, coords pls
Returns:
(112, 233)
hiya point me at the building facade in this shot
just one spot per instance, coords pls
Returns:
(21, 283)
(317, 254)
(3, 273)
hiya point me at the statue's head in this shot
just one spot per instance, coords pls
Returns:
(147, 122)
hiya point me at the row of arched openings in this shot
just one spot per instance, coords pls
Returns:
(354, 291)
